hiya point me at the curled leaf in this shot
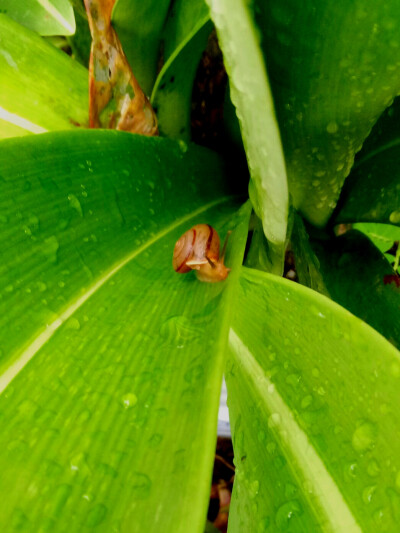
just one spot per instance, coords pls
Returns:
(116, 100)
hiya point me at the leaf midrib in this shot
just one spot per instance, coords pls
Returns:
(337, 515)
(38, 341)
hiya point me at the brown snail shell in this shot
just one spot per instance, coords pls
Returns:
(198, 249)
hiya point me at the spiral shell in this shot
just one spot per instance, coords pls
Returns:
(195, 245)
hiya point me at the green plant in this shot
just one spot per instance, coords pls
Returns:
(111, 363)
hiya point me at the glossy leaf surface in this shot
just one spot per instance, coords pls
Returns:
(46, 17)
(334, 68)
(314, 406)
(360, 278)
(250, 93)
(139, 27)
(185, 37)
(41, 88)
(372, 191)
(109, 358)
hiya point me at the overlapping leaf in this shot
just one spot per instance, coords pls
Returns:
(313, 397)
(139, 27)
(110, 360)
(41, 89)
(187, 29)
(46, 17)
(252, 98)
(334, 67)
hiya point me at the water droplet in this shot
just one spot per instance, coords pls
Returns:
(395, 217)
(129, 400)
(75, 204)
(155, 440)
(320, 173)
(364, 436)
(73, 323)
(194, 374)
(41, 285)
(141, 485)
(274, 420)
(332, 127)
(78, 464)
(254, 487)
(96, 515)
(271, 448)
(179, 331)
(306, 401)
(350, 470)
(373, 468)
(286, 513)
(290, 490)
(368, 493)
(378, 515)
(183, 146)
(50, 248)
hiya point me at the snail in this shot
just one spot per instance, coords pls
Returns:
(198, 249)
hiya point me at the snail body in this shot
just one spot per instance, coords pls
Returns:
(198, 249)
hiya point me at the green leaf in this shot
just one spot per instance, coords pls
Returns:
(306, 262)
(372, 191)
(359, 277)
(334, 68)
(111, 362)
(41, 88)
(139, 27)
(187, 30)
(313, 397)
(46, 17)
(250, 93)
(382, 235)
(81, 41)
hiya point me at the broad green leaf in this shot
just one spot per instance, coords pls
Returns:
(314, 406)
(81, 41)
(372, 191)
(382, 235)
(187, 30)
(359, 277)
(385, 132)
(334, 68)
(46, 17)
(139, 26)
(250, 93)
(111, 362)
(41, 88)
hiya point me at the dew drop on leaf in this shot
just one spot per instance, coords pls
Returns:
(364, 436)
(179, 331)
(373, 469)
(75, 204)
(129, 400)
(286, 513)
(141, 485)
(332, 127)
(394, 217)
(96, 515)
(368, 493)
(254, 487)
(50, 248)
